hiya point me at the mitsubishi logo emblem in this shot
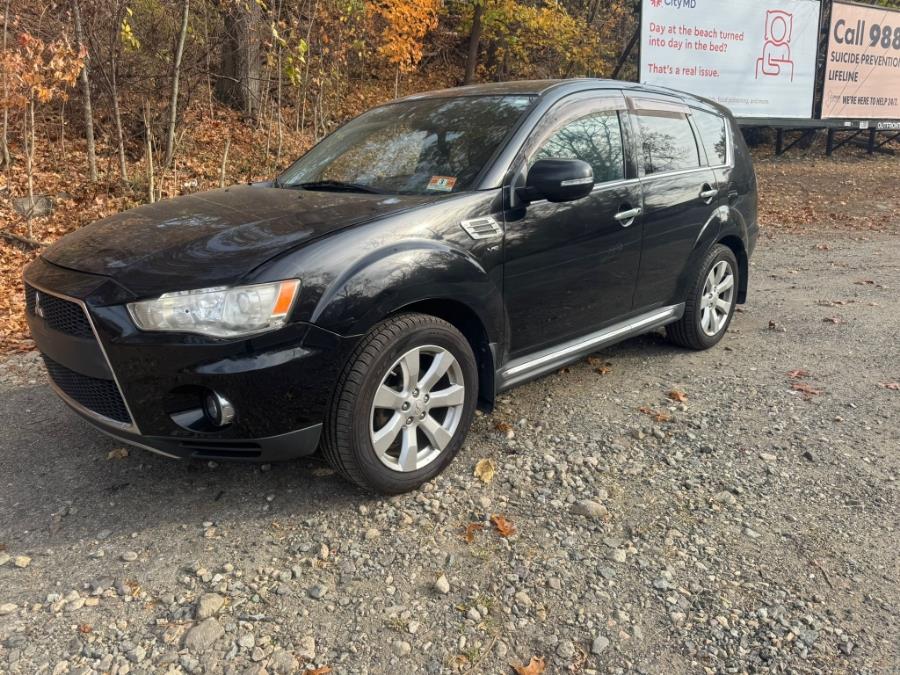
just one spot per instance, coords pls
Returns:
(38, 308)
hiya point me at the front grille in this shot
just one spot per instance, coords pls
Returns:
(99, 396)
(64, 316)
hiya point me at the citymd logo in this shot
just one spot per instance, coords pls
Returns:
(677, 4)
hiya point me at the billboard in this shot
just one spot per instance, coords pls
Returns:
(862, 73)
(756, 57)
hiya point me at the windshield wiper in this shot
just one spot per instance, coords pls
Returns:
(335, 185)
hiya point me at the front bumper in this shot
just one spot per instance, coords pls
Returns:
(147, 389)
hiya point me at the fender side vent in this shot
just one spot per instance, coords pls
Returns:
(482, 228)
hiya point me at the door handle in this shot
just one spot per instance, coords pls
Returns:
(627, 217)
(707, 192)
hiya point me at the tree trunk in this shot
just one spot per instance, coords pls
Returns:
(474, 43)
(114, 91)
(238, 83)
(149, 153)
(86, 93)
(29, 138)
(176, 74)
(4, 139)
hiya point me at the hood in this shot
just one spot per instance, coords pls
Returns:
(213, 238)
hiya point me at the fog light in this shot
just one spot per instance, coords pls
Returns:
(218, 409)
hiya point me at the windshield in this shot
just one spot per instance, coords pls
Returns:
(425, 146)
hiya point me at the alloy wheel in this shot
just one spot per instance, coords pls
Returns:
(717, 299)
(417, 408)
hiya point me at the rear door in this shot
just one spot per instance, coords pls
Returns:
(571, 268)
(681, 195)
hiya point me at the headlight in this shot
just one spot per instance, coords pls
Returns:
(218, 312)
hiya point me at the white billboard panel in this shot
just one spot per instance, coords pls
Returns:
(757, 57)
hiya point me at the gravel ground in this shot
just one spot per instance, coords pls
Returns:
(752, 527)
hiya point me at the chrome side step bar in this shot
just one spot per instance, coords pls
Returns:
(547, 360)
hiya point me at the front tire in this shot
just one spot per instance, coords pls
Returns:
(710, 303)
(403, 404)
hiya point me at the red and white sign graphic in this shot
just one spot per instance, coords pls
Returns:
(776, 56)
(756, 57)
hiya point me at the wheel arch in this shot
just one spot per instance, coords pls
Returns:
(737, 247)
(467, 321)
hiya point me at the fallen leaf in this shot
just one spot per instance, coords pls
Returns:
(535, 667)
(656, 414)
(85, 628)
(893, 386)
(864, 282)
(677, 395)
(823, 247)
(808, 391)
(504, 527)
(600, 366)
(485, 470)
(471, 529)
(833, 319)
(798, 374)
(505, 428)
(324, 670)
(118, 453)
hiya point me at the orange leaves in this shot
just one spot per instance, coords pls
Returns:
(677, 395)
(407, 22)
(85, 628)
(657, 415)
(324, 670)
(808, 391)
(536, 666)
(798, 374)
(505, 528)
(471, 529)
(600, 366)
(40, 70)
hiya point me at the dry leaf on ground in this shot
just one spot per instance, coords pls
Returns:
(505, 428)
(893, 386)
(471, 529)
(505, 528)
(324, 670)
(85, 628)
(657, 415)
(833, 319)
(117, 453)
(807, 390)
(798, 374)
(677, 395)
(485, 470)
(536, 666)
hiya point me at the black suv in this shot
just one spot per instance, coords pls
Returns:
(424, 257)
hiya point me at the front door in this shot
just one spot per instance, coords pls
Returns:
(571, 268)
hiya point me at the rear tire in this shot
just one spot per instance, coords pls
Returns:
(710, 302)
(403, 404)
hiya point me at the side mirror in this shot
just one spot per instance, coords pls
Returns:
(559, 180)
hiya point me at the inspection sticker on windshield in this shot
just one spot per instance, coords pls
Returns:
(441, 183)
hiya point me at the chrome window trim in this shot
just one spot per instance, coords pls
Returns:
(599, 187)
(680, 172)
(69, 400)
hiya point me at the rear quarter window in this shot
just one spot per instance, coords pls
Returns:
(668, 142)
(713, 136)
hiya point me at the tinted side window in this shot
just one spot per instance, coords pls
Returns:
(668, 142)
(595, 139)
(712, 134)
